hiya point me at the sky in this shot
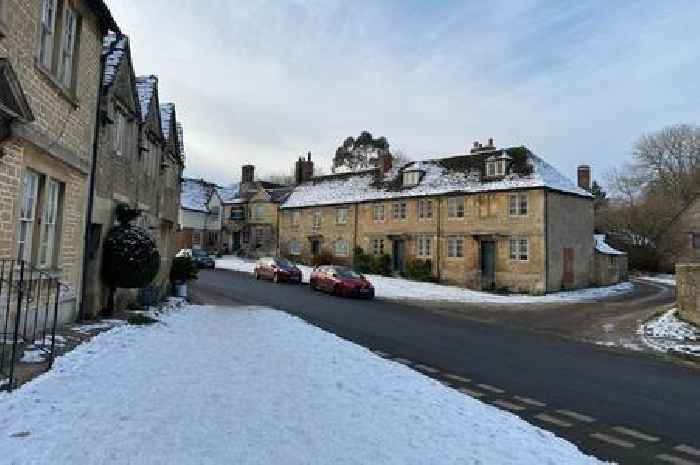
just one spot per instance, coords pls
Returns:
(263, 82)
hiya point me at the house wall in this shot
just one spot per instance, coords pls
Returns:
(261, 229)
(687, 291)
(59, 142)
(609, 269)
(676, 245)
(569, 231)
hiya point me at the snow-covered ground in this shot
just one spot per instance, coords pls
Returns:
(667, 279)
(397, 288)
(667, 333)
(250, 385)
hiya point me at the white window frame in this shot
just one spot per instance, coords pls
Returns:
(296, 217)
(340, 248)
(49, 221)
(455, 247)
(294, 247)
(399, 211)
(377, 247)
(455, 208)
(425, 209)
(27, 215)
(68, 46)
(48, 28)
(258, 211)
(317, 218)
(519, 249)
(411, 178)
(341, 215)
(378, 213)
(518, 204)
(424, 245)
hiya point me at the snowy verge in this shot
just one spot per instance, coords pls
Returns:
(260, 386)
(668, 279)
(398, 288)
(668, 333)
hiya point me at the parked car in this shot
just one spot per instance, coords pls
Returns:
(277, 269)
(200, 257)
(341, 280)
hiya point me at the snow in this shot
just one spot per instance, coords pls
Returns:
(668, 279)
(113, 56)
(603, 247)
(668, 333)
(146, 88)
(253, 386)
(437, 180)
(33, 356)
(399, 288)
(229, 194)
(194, 194)
(166, 113)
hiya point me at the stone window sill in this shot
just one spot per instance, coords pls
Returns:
(67, 94)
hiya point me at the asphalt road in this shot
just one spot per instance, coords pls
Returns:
(627, 407)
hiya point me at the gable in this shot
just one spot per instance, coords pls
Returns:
(13, 101)
(260, 196)
(124, 86)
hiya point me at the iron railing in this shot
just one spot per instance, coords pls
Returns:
(29, 301)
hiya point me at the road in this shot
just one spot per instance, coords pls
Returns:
(627, 407)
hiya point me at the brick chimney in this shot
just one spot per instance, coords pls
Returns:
(384, 161)
(303, 169)
(584, 177)
(478, 147)
(247, 177)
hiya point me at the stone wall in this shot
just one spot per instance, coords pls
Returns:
(609, 269)
(676, 244)
(688, 291)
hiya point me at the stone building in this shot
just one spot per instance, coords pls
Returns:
(488, 219)
(50, 70)
(200, 216)
(680, 240)
(138, 162)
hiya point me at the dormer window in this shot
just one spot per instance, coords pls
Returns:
(496, 166)
(411, 178)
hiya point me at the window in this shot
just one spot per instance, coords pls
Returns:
(258, 211)
(517, 204)
(119, 132)
(44, 221)
(296, 217)
(48, 23)
(237, 214)
(30, 186)
(259, 236)
(294, 247)
(424, 244)
(378, 246)
(398, 210)
(455, 207)
(65, 71)
(378, 213)
(315, 247)
(496, 167)
(696, 241)
(214, 210)
(196, 239)
(519, 249)
(318, 218)
(340, 248)
(411, 178)
(49, 216)
(341, 216)
(425, 209)
(455, 247)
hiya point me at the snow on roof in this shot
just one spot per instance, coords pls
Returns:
(458, 174)
(195, 194)
(166, 113)
(603, 247)
(229, 194)
(146, 88)
(113, 55)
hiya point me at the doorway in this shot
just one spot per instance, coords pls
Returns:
(398, 251)
(236, 241)
(488, 265)
(315, 247)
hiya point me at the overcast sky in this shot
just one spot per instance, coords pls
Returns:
(263, 82)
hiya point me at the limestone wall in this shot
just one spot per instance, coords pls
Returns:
(688, 291)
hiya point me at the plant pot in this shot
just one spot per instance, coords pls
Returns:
(180, 289)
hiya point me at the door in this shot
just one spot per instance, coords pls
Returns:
(397, 255)
(488, 265)
(315, 247)
(236, 241)
(567, 280)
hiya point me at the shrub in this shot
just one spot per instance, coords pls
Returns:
(324, 258)
(362, 263)
(141, 319)
(131, 258)
(382, 265)
(183, 269)
(419, 270)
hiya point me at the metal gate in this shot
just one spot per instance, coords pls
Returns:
(29, 300)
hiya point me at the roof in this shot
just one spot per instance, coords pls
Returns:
(195, 194)
(146, 88)
(166, 113)
(114, 48)
(602, 247)
(228, 194)
(104, 14)
(451, 175)
(279, 195)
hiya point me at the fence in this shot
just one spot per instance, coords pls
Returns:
(29, 300)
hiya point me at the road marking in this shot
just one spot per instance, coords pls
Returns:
(459, 379)
(612, 440)
(553, 420)
(488, 387)
(533, 402)
(635, 434)
(471, 392)
(508, 405)
(687, 450)
(403, 361)
(426, 368)
(576, 416)
(675, 460)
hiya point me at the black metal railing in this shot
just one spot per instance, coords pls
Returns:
(29, 301)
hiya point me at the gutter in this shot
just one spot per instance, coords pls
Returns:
(91, 189)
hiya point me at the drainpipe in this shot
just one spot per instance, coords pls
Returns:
(91, 189)
(438, 257)
(546, 244)
(354, 238)
(279, 248)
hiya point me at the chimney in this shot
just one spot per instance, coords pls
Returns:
(491, 143)
(247, 173)
(303, 169)
(584, 177)
(384, 161)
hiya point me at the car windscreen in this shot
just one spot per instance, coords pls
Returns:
(346, 273)
(282, 263)
(199, 253)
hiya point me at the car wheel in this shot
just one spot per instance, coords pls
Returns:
(312, 285)
(257, 276)
(275, 278)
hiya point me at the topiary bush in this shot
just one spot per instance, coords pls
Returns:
(183, 269)
(419, 270)
(362, 263)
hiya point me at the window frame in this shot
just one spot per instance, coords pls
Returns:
(411, 178)
(119, 132)
(455, 247)
(344, 250)
(519, 249)
(399, 210)
(695, 240)
(377, 247)
(518, 204)
(295, 217)
(378, 209)
(46, 251)
(317, 218)
(424, 247)
(425, 209)
(294, 247)
(47, 32)
(341, 219)
(258, 211)
(28, 218)
(455, 208)
(68, 46)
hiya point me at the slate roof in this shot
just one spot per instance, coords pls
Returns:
(166, 113)
(114, 50)
(603, 247)
(228, 194)
(146, 88)
(463, 173)
(195, 194)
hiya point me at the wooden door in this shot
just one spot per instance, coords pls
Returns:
(488, 265)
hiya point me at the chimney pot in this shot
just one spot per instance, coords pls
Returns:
(308, 156)
(476, 144)
(584, 177)
(490, 141)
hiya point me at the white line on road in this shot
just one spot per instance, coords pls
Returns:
(635, 434)
(553, 420)
(528, 401)
(688, 450)
(508, 405)
(488, 387)
(471, 392)
(459, 379)
(576, 416)
(675, 460)
(612, 440)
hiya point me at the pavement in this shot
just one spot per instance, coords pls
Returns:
(622, 406)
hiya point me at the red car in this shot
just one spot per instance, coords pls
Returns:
(341, 280)
(277, 269)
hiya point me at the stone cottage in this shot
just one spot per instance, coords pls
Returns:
(50, 71)
(200, 216)
(680, 240)
(487, 219)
